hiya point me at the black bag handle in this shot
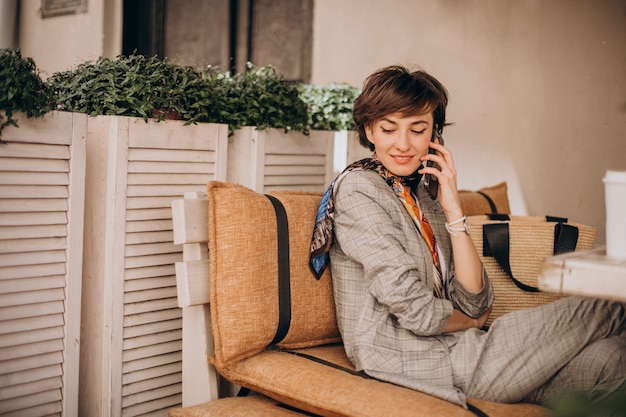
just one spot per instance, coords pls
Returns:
(492, 205)
(496, 243)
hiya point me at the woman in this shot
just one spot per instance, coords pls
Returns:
(410, 291)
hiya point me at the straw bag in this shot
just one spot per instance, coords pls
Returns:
(512, 249)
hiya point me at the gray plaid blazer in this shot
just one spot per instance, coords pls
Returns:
(382, 271)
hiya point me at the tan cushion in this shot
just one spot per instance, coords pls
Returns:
(474, 203)
(321, 389)
(244, 273)
(252, 406)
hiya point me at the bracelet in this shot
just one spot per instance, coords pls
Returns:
(453, 230)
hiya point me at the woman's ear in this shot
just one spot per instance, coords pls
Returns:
(369, 133)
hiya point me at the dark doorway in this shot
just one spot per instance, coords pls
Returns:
(223, 33)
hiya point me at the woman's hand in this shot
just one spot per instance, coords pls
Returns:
(448, 196)
(460, 321)
(467, 264)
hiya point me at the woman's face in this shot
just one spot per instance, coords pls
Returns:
(401, 140)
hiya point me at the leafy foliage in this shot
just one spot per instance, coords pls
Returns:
(330, 107)
(136, 86)
(21, 88)
(145, 87)
(262, 97)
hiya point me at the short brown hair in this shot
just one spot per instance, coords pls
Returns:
(397, 89)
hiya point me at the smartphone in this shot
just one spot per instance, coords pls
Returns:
(430, 181)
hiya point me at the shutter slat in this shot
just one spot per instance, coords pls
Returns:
(39, 231)
(151, 249)
(30, 375)
(32, 204)
(31, 362)
(31, 284)
(148, 226)
(172, 191)
(34, 165)
(156, 408)
(176, 155)
(30, 350)
(147, 397)
(32, 297)
(152, 362)
(164, 177)
(152, 383)
(185, 167)
(35, 151)
(28, 388)
(151, 271)
(152, 317)
(30, 323)
(162, 213)
(34, 178)
(33, 191)
(33, 219)
(39, 309)
(151, 328)
(153, 339)
(150, 305)
(151, 294)
(32, 245)
(153, 260)
(151, 373)
(147, 283)
(31, 271)
(42, 257)
(20, 403)
(21, 338)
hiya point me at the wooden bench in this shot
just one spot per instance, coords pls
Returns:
(276, 371)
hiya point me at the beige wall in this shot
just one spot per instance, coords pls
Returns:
(60, 42)
(538, 87)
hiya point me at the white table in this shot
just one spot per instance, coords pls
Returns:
(588, 272)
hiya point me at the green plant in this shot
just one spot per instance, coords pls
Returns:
(137, 86)
(262, 97)
(330, 106)
(21, 88)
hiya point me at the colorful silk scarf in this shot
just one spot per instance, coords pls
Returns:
(321, 240)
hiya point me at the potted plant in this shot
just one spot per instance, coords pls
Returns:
(139, 86)
(138, 161)
(21, 88)
(330, 106)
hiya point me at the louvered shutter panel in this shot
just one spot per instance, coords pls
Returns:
(272, 160)
(147, 166)
(42, 167)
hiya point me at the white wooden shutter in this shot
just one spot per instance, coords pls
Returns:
(139, 326)
(271, 160)
(42, 168)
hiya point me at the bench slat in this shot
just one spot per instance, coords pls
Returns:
(190, 219)
(192, 282)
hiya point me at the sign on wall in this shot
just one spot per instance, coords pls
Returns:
(50, 8)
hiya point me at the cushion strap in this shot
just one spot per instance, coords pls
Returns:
(472, 408)
(284, 285)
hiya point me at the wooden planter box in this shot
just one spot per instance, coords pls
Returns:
(270, 160)
(131, 328)
(42, 173)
